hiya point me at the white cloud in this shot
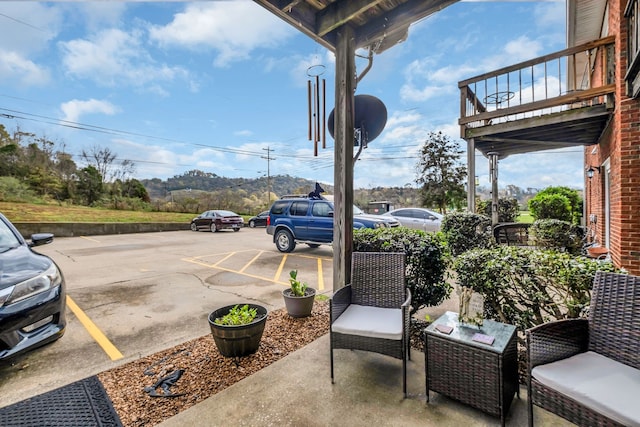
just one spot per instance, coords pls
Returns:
(18, 69)
(75, 108)
(233, 29)
(114, 57)
(27, 27)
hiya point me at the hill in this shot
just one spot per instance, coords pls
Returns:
(195, 180)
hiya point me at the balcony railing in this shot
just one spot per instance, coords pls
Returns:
(577, 77)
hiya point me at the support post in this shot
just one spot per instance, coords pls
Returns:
(493, 174)
(471, 175)
(343, 157)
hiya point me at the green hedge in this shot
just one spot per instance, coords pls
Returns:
(426, 260)
(466, 230)
(527, 287)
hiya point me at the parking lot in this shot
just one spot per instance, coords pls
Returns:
(135, 294)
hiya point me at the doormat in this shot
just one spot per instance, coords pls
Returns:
(83, 403)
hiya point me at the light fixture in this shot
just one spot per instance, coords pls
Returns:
(591, 171)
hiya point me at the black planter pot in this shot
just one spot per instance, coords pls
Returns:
(299, 306)
(238, 340)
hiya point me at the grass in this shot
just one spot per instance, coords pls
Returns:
(28, 212)
(525, 216)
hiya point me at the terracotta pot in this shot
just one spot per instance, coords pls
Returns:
(597, 251)
(238, 340)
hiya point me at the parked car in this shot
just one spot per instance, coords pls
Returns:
(32, 293)
(217, 220)
(259, 220)
(310, 220)
(418, 218)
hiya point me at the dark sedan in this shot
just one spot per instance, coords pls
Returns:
(32, 293)
(217, 220)
(259, 220)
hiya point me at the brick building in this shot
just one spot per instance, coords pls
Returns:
(586, 95)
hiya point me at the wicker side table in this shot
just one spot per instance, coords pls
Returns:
(480, 375)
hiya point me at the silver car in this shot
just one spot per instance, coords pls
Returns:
(418, 218)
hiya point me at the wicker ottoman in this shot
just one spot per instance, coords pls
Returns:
(478, 374)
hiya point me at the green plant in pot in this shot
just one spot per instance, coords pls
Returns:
(298, 298)
(237, 329)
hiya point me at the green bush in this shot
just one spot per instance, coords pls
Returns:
(14, 190)
(508, 209)
(426, 260)
(560, 203)
(527, 287)
(557, 235)
(465, 230)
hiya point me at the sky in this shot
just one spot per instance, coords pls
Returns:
(221, 86)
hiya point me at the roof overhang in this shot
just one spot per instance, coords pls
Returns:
(377, 24)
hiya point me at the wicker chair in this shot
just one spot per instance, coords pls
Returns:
(588, 370)
(372, 313)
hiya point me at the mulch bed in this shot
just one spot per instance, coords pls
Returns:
(206, 371)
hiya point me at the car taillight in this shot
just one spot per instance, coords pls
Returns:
(268, 220)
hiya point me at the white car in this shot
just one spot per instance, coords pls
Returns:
(418, 218)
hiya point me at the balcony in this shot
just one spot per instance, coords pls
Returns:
(559, 100)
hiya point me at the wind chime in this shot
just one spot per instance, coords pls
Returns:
(316, 107)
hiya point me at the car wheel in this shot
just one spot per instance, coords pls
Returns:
(213, 227)
(284, 241)
(252, 224)
(313, 245)
(194, 227)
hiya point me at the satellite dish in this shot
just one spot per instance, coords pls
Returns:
(370, 117)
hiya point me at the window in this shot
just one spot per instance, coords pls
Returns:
(279, 207)
(633, 49)
(321, 209)
(299, 208)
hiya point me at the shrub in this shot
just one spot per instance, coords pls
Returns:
(14, 190)
(556, 234)
(465, 230)
(508, 209)
(426, 260)
(557, 203)
(527, 287)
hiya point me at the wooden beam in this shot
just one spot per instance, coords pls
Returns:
(343, 157)
(561, 117)
(398, 19)
(341, 12)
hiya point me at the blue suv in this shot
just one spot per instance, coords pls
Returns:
(310, 221)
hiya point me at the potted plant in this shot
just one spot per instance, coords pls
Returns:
(298, 298)
(237, 329)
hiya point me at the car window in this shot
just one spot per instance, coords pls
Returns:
(278, 208)
(7, 238)
(299, 208)
(404, 213)
(321, 209)
(226, 213)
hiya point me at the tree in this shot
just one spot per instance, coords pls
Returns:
(440, 173)
(89, 184)
(101, 159)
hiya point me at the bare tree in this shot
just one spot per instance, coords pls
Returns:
(99, 158)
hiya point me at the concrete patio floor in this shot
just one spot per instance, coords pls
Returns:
(297, 391)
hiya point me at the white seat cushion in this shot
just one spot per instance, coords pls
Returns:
(608, 387)
(372, 322)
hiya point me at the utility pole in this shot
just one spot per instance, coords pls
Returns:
(268, 158)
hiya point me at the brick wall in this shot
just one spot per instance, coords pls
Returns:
(621, 148)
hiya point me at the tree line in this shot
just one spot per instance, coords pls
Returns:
(34, 167)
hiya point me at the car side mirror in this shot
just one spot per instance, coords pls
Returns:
(39, 239)
(330, 214)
